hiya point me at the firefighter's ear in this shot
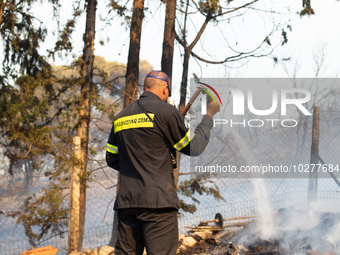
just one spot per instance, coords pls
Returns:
(165, 92)
(165, 89)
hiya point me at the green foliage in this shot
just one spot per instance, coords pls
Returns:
(37, 120)
(210, 7)
(24, 117)
(120, 9)
(64, 42)
(47, 212)
(21, 34)
(201, 185)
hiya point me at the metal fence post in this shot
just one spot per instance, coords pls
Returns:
(313, 176)
(74, 211)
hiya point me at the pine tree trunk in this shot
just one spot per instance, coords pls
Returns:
(2, 8)
(183, 91)
(131, 87)
(169, 38)
(85, 107)
(184, 79)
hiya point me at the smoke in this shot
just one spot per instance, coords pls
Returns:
(267, 220)
(317, 229)
(259, 188)
(324, 206)
(333, 236)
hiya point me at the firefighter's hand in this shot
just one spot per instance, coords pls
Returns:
(212, 108)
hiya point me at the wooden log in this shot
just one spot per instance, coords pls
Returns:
(235, 218)
(211, 228)
(217, 228)
(245, 217)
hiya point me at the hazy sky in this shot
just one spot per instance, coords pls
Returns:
(309, 37)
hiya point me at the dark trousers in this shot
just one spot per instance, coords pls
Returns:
(155, 229)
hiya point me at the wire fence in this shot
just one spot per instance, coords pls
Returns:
(242, 195)
(98, 220)
(94, 237)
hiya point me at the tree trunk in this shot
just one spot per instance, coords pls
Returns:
(73, 215)
(131, 87)
(85, 107)
(167, 55)
(187, 52)
(313, 176)
(169, 38)
(2, 8)
(184, 79)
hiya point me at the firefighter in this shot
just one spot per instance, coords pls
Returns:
(142, 144)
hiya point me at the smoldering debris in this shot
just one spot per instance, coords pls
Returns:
(295, 233)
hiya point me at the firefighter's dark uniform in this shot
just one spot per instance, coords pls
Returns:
(147, 200)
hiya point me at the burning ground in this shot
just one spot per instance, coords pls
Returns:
(291, 232)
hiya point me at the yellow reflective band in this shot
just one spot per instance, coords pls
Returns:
(134, 121)
(111, 148)
(184, 141)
